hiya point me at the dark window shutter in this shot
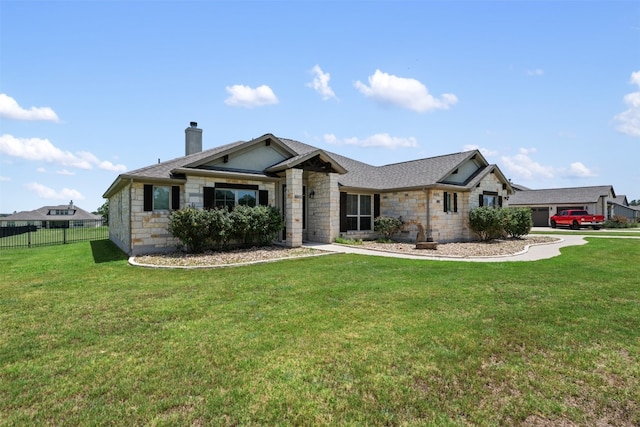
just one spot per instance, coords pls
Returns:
(343, 211)
(376, 205)
(445, 204)
(455, 202)
(481, 198)
(263, 197)
(209, 195)
(175, 197)
(148, 198)
(500, 201)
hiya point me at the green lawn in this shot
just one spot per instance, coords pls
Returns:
(86, 339)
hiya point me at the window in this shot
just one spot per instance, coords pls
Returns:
(160, 198)
(359, 212)
(231, 197)
(450, 202)
(490, 199)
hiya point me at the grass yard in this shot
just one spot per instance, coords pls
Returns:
(86, 339)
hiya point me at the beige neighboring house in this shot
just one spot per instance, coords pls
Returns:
(597, 200)
(60, 216)
(322, 195)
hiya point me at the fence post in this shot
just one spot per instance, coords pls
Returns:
(29, 238)
(64, 236)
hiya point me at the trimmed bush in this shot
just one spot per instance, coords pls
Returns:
(495, 223)
(517, 221)
(486, 222)
(218, 228)
(191, 226)
(388, 226)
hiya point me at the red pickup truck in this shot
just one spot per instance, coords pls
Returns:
(577, 219)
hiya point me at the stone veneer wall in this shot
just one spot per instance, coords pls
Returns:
(442, 226)
(293, 203)
(410, 205)
(449, 226)
(149, 230)
(323, 210)
(119, 225)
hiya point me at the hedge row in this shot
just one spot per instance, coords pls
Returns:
(244, 226)
(495, 223)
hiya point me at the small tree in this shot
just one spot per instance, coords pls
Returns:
(103, 211)
(388, 226)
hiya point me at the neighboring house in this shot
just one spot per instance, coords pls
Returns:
(61, 216)
(547, 202)
(619, 207)
(322, 195)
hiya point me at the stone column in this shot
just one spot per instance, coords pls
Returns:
(293, 204)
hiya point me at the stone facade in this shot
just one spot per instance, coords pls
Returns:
(119, 222)
(293, 203)
(323, 207)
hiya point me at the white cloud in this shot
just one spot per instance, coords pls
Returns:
(535, 73)
(41, 170)
(4, 178)
(244, 96)
(628, 122)
(65, 172)
(578, 170)
(38, 149)
(108, 166)
(10, 109)
(404, 92)
(485, 151)
(378, 140)
(45, 192)
(522, 166)
(320, 83)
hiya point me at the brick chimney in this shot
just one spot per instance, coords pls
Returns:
(193, 139)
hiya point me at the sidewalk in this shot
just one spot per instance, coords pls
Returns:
(531, 253)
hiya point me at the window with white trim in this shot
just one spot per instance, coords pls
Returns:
(359, 212)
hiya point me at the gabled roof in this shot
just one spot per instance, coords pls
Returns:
(553, 196)
(42, 214)
(354, 174)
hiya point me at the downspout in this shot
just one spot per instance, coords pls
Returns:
(129, 216)
(429, 235)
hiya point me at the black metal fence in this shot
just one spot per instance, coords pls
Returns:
(29, 236)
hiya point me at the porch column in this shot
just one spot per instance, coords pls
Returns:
(293, 222)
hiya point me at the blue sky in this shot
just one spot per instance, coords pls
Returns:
(549, 91)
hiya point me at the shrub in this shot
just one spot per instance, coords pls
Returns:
(388, 226)
(617, 221)
(255, 225)
(517, 221)
(217, 228)
(486, 222)
(494, 223)
(190, 225)
(345, 241)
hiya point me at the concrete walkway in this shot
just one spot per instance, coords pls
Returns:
(531, 253)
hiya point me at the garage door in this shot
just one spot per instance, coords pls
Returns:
(540, 217)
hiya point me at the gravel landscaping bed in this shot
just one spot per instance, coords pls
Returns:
(465, 250)
(272, 253)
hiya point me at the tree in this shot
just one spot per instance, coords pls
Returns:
(634, 203)
(103, 211)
